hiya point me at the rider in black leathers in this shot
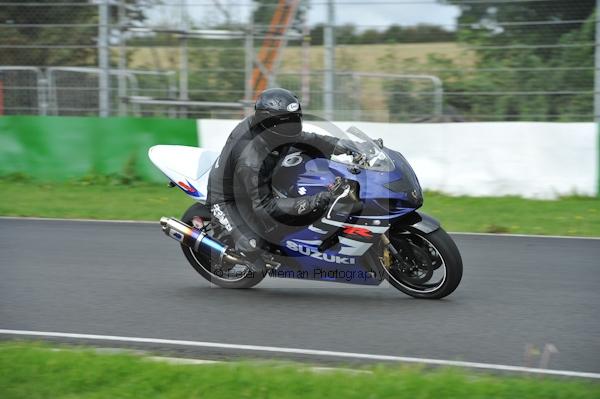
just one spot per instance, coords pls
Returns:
(243, 204)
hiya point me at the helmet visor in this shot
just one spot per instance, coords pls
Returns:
(287, 125)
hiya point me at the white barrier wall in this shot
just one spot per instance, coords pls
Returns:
(527, 159)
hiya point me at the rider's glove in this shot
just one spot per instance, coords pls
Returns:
(314, 203)
(322, 200)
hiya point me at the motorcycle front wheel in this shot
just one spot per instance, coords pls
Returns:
(428, 266)
(238, 277)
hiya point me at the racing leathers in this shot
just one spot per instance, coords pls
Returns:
(243, 203)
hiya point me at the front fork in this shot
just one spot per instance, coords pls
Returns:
(392, 255)
(389, 251)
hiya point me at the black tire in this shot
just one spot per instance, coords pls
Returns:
(202, 263)
(451, 262)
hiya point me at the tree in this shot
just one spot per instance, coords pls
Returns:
(422, 33)
(264, 10)
(520, 22)
(66, 35)
(533, 54)
(317, 35)
(348, 34)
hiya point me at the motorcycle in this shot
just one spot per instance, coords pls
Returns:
(372, 230)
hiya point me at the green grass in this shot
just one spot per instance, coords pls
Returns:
(35, 371)
(108, 199)
(571, 216)
(86, 200)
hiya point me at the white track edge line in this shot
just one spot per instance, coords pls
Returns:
(458, 233)
(313, 352)
(466, 233)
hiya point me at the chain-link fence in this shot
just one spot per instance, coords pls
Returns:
(490, 60)
(22, 90)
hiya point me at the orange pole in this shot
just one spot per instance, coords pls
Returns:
(269, 47)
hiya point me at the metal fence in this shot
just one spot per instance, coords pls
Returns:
(494, 60)
(23, 90)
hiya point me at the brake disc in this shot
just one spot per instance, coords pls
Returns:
(419, 269)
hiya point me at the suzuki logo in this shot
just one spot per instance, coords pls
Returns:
(314, 253)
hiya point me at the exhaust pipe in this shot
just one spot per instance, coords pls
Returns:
(201, 242)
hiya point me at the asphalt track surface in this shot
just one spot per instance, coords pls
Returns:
(130, 280)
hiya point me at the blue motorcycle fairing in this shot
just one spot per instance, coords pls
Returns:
(350, 259)
(353, 259)
(312, 176)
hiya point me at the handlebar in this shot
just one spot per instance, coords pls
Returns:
(346, 194)
(346, 201)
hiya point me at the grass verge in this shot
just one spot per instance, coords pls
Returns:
(85, 200)
(106, 199)
(35, 371)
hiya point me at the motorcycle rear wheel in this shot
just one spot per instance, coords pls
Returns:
(434, 257)
(204, 265)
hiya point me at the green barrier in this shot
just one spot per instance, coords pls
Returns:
(61, 148)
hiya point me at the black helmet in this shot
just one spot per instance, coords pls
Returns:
(279, 113)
